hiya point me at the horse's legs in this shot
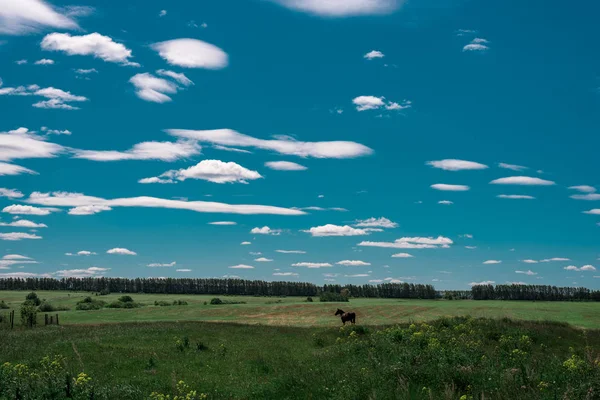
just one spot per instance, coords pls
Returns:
(354, 320)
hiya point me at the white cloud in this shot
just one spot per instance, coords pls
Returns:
(364, 103)
(584, 268)
(470, 247)
(215, 171)
(21, 143)
(44, 61)
(285, 274)
(555, 259)
(530, 261)
(594, 211)
(285, 166)
(150, 88)
(373, 222)
(21, 62)
(231, 149)
(245, 243)
(81, 71)
(56, 98)
(192, 53)
(374, 54)
(413, 243)
(265, 230)
(66, 199)
(88, 210)
(282, 144)
(528, 272)
(467, 235)
(223, 223)
(492, 262)
(15, 257)
(13, 236)
(18, 209)
(121, 251)
(513, 167)
(353, 263)
(18, 17)
(583, 188)
(589, 196)
(477, 44)
(451, 188)
(10, 193)
(12, 169)
(342, 8)
(183, 270)
(263, 259)
(357, 276)
(446, 202)
(85, 253)
(81, 273)
(162, 13)
(335, 230)
(456, 165)
(163, 151)
(290, 251)
(93, 44)
(55, 131)
(312, 265)
(402, 255)
(482, 283)
(179, 77)
(375, 280)
(160, 265)
(241, 266)
(522, 180)
(515, 197)
(23, 223)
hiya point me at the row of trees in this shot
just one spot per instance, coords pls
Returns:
(237, 287)
(533, 292)
(242, 287)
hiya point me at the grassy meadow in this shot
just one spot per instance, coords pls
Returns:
(287, 348)
(295, 311)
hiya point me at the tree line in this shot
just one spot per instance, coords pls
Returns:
(242, 287)
(238, 287)
(533, 292)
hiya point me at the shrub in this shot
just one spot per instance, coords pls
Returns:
(121, 304)
(332, 297)
(216, 300)
(162, 303)
(201, 346)
(104, 292)
(180, 303)
(33, 299)
(46, 307)
(309, 299)
(28, 314)
(3, 305)
(126, 299)
(89, 304)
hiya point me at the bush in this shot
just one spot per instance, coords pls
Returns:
(46, 307)
(89, 304)
(32, 298)
(216, 300)
(104, 292)
(121, 304)
(332, 297)
(309, 299)
(180, 303)
(3, 305)
(126, 299)
(28, 315)
(162, 303)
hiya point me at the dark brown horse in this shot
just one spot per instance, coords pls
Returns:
(346, 316)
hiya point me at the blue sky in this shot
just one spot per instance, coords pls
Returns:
(332, 130)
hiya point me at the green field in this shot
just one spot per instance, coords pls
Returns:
(294, 311)
(287, 348)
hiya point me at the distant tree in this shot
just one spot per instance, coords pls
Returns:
(28, 314)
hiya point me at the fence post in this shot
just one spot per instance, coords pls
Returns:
(45, 319)
(12, 319)
(56, 319)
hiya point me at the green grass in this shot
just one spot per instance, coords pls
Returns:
(295, 311)
(445, 359)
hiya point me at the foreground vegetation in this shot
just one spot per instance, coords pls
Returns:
(449, 358)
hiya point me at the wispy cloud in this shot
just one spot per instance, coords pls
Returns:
(336, 230)
(374, 54)
(93, 44)
(451, 188)
(413, 243)
(456, 165)
(522, 180)
(191, 53)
